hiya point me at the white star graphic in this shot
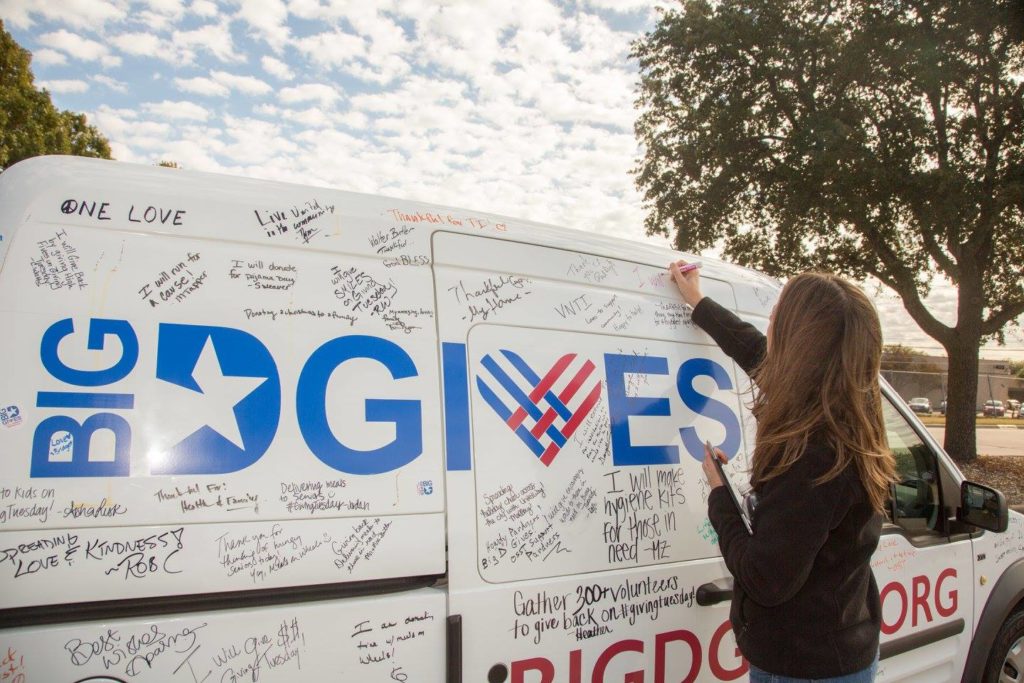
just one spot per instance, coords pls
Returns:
(214, 407)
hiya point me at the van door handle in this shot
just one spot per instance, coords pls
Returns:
(715, 592)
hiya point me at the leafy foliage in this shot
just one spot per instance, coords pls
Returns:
(906, 359)
(29, 123)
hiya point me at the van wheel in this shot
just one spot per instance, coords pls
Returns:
(1006, 661)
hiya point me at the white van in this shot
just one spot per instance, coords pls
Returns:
(256, 431)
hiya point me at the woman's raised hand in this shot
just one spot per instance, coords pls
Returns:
(688, 282)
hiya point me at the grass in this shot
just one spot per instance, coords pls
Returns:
(940, 421)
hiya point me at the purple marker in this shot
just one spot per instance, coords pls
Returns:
(688, 267)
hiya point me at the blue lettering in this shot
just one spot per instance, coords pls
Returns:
(456, 406)
(99, 328)
(79, 439)
(621, 407)
(707, 407)
(311, 407)
(240, 354)
(81, 399)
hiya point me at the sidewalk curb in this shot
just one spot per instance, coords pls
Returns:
(942, 426)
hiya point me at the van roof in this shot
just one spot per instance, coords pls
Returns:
(36, 188)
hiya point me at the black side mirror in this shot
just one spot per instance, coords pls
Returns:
(983, 507)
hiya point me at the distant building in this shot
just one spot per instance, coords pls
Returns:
(994, 380)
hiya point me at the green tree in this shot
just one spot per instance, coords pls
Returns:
(29, 123)
(1017, 368)
(866, 137)
(901, 358)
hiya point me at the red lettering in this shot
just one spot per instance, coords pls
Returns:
(541, 664)
(894, 587)
(953, 597)
(668, 660)
(714, 650)
(605, 657)
(921, 588)
(663, 639)
(576, 666)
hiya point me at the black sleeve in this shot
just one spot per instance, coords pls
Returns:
(791, 524)
(740, 340)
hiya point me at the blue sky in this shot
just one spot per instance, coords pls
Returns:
(521, 108)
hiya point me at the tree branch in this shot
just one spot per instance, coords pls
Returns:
(916, 308)
(1000, 318)
(899, 278)
(947, 264)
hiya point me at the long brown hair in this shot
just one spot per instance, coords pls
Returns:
(819, 379)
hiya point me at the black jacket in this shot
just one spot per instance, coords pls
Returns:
(805, 602)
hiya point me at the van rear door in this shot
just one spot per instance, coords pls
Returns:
(578, 396)
(214, 417)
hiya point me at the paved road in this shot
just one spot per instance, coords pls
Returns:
(992, 441)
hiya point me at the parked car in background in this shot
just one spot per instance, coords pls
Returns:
(921, 405)
(993, 408)
(1013, 408)
(942, 407)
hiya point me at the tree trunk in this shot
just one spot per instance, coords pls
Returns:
(961, 401)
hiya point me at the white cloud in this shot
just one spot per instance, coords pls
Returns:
(144, 44)
(212, 38)
(124, 127)
(170, 8)
(221, 83)
(112, 83)
(373, 60)
(81, 14)
(79, 47)
(626, 6)
(204, 8)
(268, 20)
(202, 86)
(191, 153)
(310, 92)
(159, 16)
(275, 67)
(253, 141)
(244, 84)
(332, 49)
(123, 152)
(64, 86)
(316, 117)
(177, 110)
(48, 57)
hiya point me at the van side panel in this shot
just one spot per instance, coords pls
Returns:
(212, 387)
(376, 639)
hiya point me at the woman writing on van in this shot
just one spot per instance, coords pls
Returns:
(805, 602)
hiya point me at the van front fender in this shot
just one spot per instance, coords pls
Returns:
(1005, 597)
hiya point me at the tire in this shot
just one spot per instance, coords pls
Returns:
(1006, 661)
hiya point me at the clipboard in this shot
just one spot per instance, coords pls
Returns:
(731, 488)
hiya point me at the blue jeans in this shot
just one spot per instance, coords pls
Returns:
(863, 676)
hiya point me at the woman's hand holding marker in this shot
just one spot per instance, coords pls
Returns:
(687, 278)
(710, 471)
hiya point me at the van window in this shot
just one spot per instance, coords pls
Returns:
(915, 495)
